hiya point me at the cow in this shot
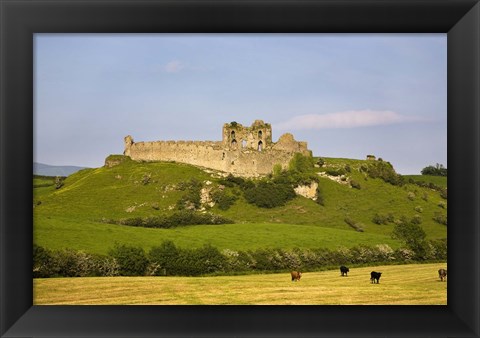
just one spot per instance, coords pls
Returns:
(375, 276)
(296, 275)
(442, 274)
(344, 270)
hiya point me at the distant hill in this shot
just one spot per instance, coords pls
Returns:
(52, 170)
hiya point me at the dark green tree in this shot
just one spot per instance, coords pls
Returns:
(437, 170)
(412, 235)
(132, 261)
(166, 256)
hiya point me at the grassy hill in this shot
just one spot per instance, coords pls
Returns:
(74, 216)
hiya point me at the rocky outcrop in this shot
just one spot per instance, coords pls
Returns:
(308, 191)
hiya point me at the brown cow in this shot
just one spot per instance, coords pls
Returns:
(296, 275)
(442, 274)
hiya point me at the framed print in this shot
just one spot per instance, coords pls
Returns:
(27, 25)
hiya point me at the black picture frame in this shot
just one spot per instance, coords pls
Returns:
(20, 20)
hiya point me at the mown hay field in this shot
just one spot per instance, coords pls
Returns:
(413, 284)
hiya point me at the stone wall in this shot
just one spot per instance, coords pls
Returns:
(242, 160)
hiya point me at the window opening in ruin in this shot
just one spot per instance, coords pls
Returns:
(223, 156)
(234, 144)
(244, 143)
(260, 134)
(260, 145)
(232, 134)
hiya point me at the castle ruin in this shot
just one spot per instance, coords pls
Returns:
(243, 151)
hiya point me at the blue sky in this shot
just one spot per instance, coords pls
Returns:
(346, 95)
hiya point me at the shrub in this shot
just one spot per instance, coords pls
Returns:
(166, 256)
(146, 178)
(385, 171)
(419, 209)
(320, 199)
(362, 254)
(437, 170)
(223, 199)
(42, 262)
(438, 249)
(355, 184)
(181, 218)
(262, 259)
(381, 219)
(108, 267)
(59, 182)
(342, 255)
(384, 253)
(186, 263)
(231, 181)
(301, 163)
(132, 261)
(277, 169)
(412, 235)
(191, 200)
(113, 160)
(210, 259)
(71, 263)
(353, 224)
(335, 172)
(416, 219)
(440, 218)
(404, 255)
(235, 261)
(269, 195)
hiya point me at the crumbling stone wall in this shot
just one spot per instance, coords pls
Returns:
(243, 151)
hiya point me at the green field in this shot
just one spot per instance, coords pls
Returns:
(414, 284)
(71, 217)
(440, 181)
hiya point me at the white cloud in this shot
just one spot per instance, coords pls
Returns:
(346, 119)
(174, 66)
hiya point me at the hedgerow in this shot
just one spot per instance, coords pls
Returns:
(169, 260)
(177, 219)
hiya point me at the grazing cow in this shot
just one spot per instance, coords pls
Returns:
(296, 275)
(442, 273)
(375, 276)
(344, 270)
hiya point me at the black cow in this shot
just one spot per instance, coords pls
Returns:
(344, 270)
(296, 275)
(375, 276)
(442, 274)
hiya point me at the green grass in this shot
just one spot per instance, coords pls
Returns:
(100, 237)
(70, 217)
(414, 284)
(440, 181)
